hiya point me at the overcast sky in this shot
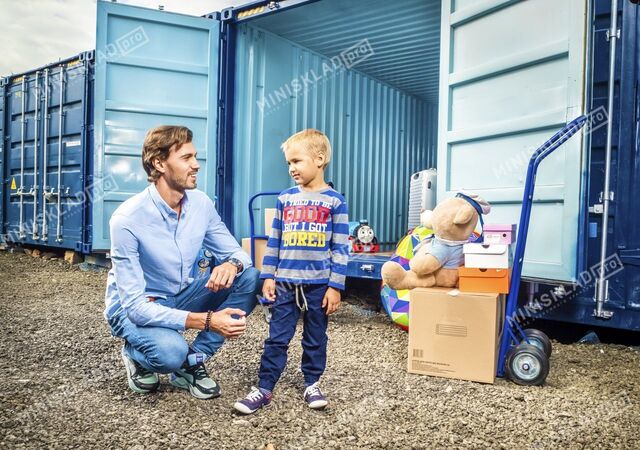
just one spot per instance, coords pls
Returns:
(38, 32)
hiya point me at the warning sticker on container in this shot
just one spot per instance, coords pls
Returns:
(13, 184)
(72, 143)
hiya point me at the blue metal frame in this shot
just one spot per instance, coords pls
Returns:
(226, 101)
(85, 246)
(252, 225)
(509, 337)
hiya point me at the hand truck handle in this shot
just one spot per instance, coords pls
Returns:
(252, 225)
(523, 228)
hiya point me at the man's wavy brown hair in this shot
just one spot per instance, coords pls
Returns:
(159, 142)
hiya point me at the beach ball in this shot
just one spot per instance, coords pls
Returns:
(396, 303)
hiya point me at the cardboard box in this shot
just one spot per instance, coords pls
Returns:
(260, 247)
(455, 334)
(488, 256)
(499, 233)
(484, 280)
(269, 215)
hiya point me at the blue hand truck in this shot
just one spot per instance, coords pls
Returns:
(524, 354)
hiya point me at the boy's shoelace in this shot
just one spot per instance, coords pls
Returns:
(255, 394)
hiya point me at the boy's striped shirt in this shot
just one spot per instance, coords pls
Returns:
(309, 242)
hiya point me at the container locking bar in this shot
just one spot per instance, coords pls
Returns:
(36, 143)
(45, 159)
(602, 285)
(20, 192)
(60, 146)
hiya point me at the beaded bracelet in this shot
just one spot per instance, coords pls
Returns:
(207, 321)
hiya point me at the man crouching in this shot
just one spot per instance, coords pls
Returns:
(156, 236)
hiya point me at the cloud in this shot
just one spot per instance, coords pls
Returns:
(38, 32)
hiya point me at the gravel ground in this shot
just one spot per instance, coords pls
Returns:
(63, 385)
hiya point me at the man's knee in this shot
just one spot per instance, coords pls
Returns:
(168, 354)
(248, 288)
(249, 281)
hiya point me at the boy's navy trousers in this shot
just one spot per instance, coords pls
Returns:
(291, 301)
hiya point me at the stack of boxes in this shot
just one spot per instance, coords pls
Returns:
(455, 333)
(487, 266)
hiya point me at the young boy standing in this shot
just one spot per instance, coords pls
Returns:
(304, 269)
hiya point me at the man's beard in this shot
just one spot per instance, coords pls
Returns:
(184, 184)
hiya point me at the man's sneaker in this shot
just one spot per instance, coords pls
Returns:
(196, 379)
(254, 400)
(140, 379)
(314, 397)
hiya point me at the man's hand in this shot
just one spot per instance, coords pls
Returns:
(269, 289)
(331, 300)
(222, 277)
(225, 325)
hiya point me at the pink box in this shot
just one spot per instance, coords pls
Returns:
(500, 233)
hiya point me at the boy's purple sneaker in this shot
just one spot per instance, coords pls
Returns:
(254, 400)
(314, 397)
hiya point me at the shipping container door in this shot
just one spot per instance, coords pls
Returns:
(152, 68)
(512, 73)
(45, 162)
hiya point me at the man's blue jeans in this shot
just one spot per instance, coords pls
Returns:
(164, 350)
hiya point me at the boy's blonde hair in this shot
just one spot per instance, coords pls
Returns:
(315, 142)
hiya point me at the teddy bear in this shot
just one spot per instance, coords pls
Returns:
(436, 259)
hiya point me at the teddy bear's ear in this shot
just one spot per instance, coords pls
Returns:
(464, 215)
(425, 218)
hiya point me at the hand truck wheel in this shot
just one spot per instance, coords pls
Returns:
(539, 339)
(527, 365)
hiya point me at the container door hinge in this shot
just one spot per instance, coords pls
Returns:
(226, 14)
(602, 313)
(598, 208)
(608, 34)
(83, 247)
(611, 196)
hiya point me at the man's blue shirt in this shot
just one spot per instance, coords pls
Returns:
(153, 252)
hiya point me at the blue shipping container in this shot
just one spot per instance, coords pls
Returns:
(467, 86)
(47, 143)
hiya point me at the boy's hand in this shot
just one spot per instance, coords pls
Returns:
(331, 300)
(269, 289)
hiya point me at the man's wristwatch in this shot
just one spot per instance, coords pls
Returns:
(236, 263)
